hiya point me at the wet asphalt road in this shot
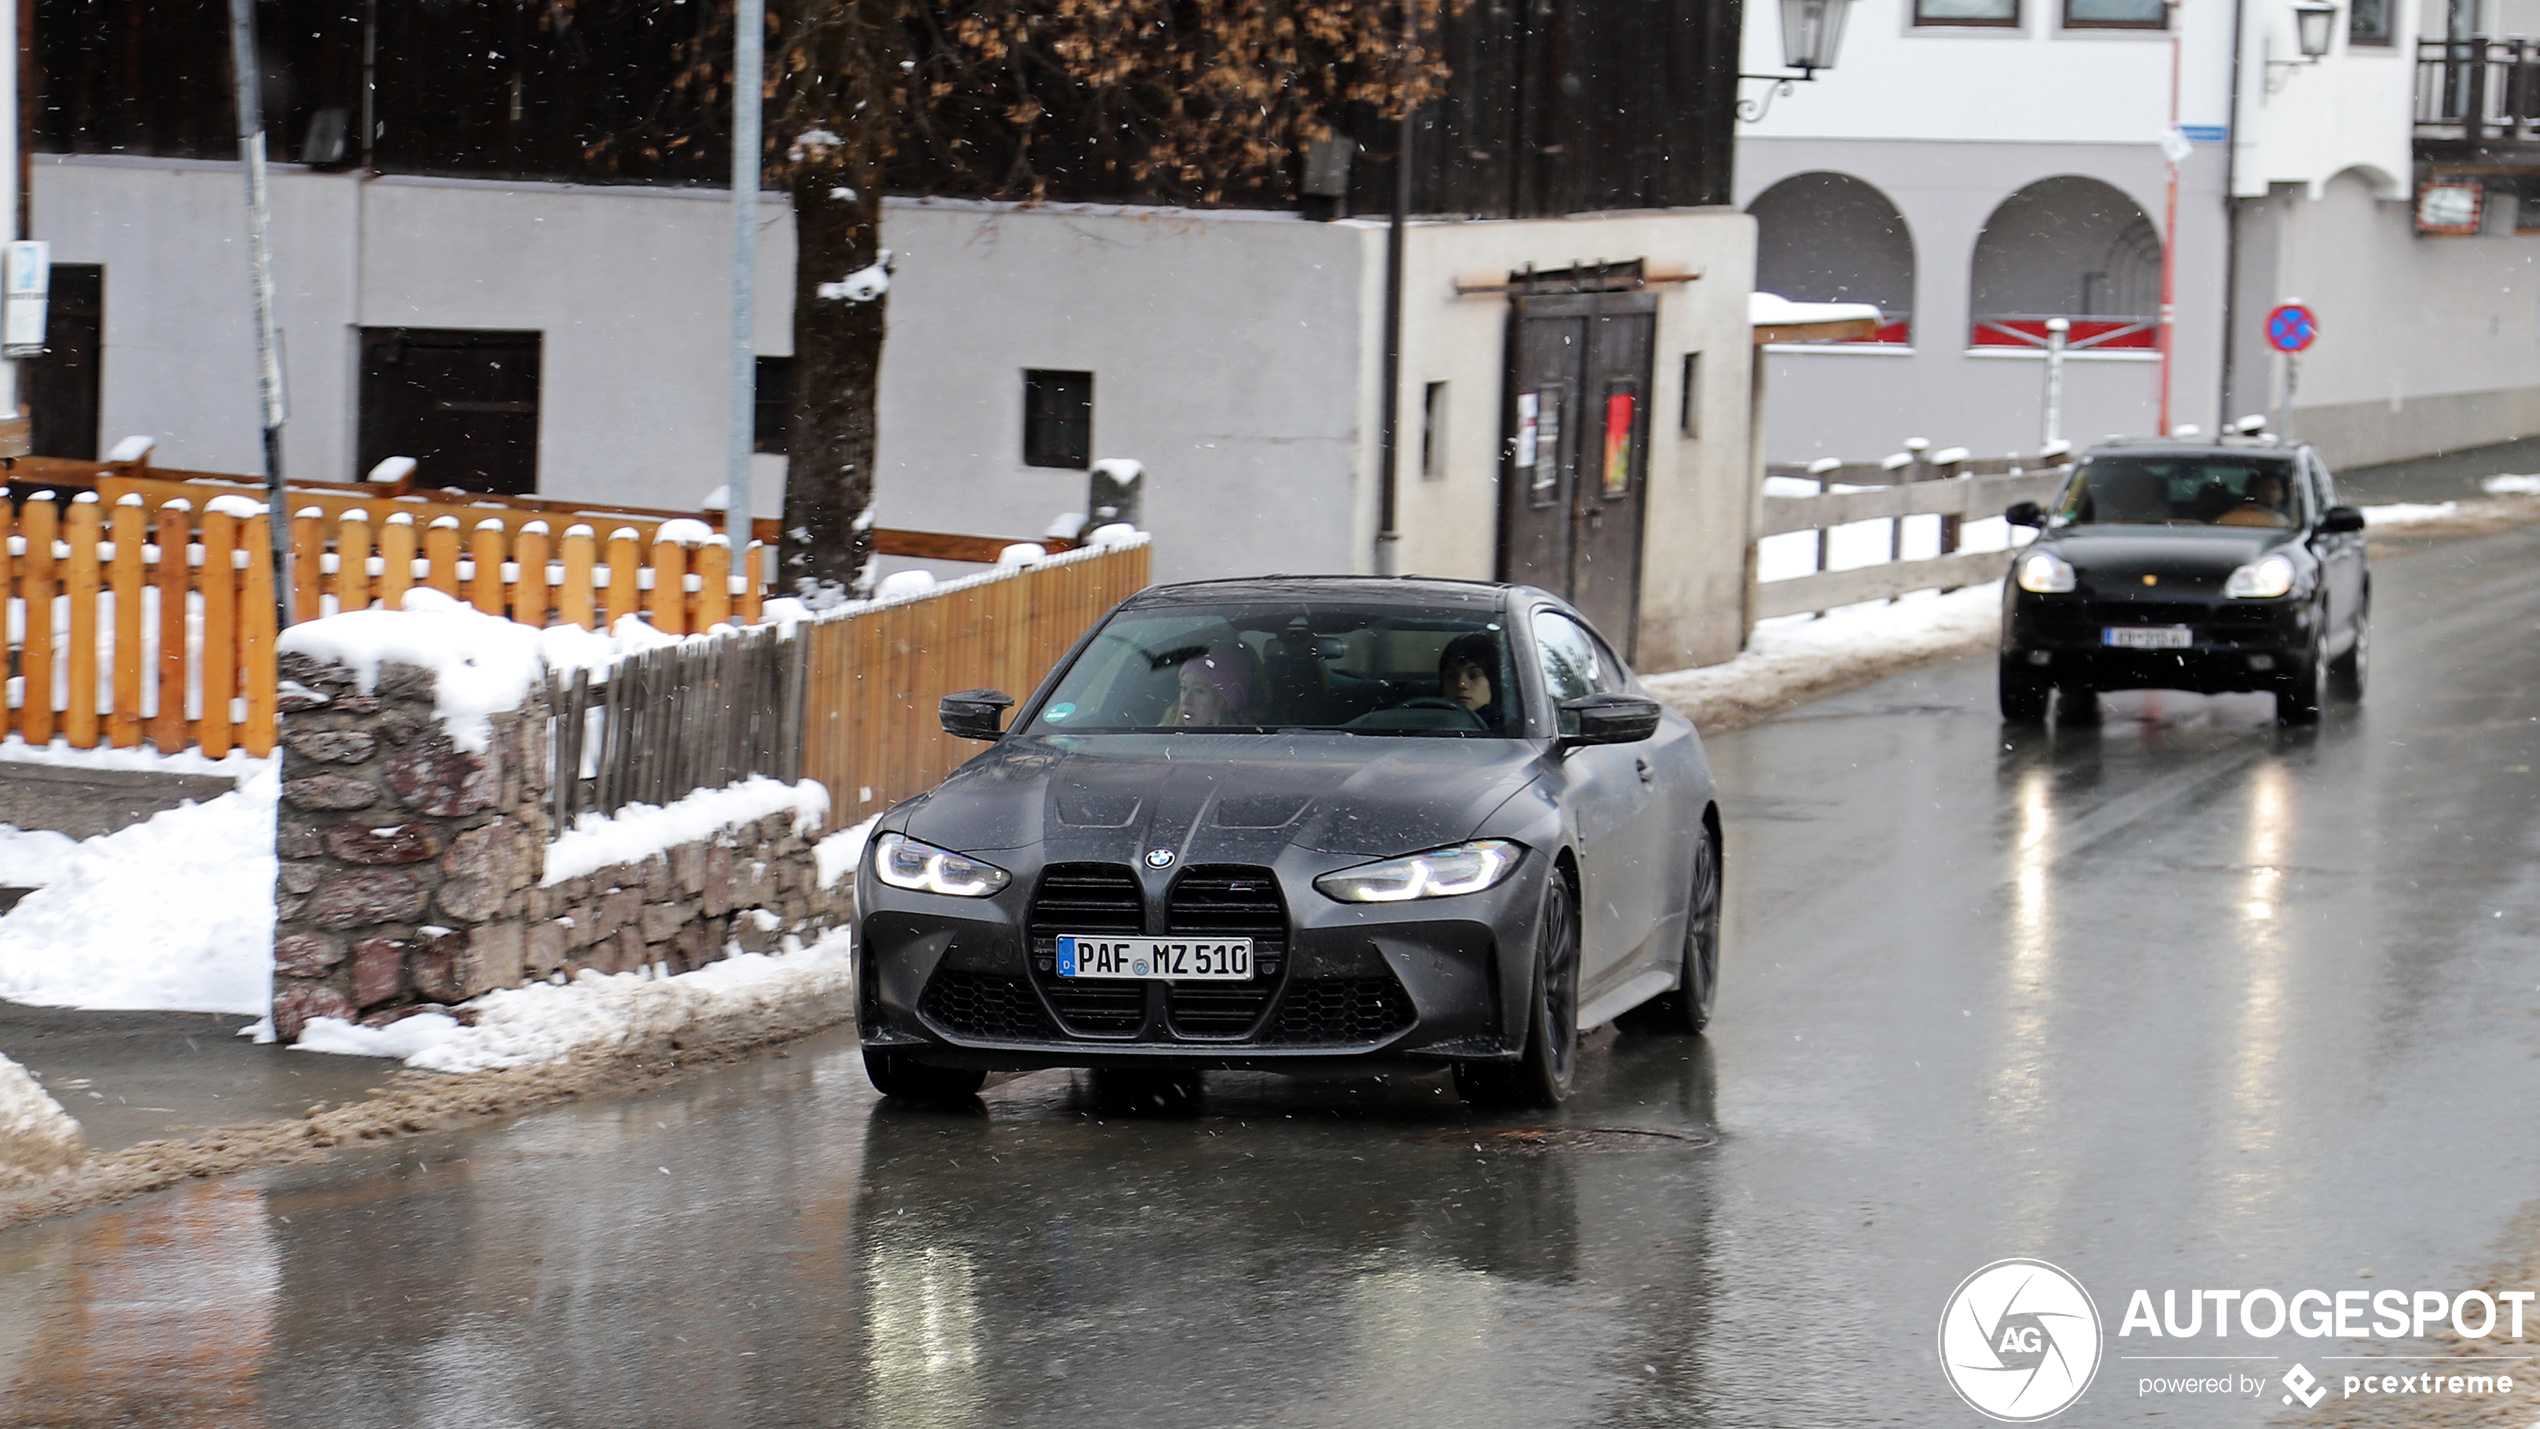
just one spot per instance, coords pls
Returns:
(2181, 1000)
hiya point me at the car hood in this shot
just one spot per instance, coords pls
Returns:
(2184, 560)
(1222, 798)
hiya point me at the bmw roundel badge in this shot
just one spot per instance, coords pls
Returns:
(1159, 858)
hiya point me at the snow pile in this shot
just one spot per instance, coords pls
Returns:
(1795, 659)
(861, 286)
(481, 663)
(36, 1135)
(2511, 486)
(175, 914)
(842, 851)
(237, 764)
(639, 831)
(1774, 310)
(2410, 513)
(32, 858)
(545, 1022)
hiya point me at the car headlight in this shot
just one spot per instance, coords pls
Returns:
(2045, 573)
(1439, 873)
(904, 862)
(2261, 579)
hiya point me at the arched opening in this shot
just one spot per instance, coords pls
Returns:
(2071, 248)
(1831, 238)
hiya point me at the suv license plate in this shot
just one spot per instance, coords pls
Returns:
(2149, 637)
(1194, 959)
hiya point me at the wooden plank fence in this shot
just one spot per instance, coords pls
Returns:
(1951, 486)
(872, 675)
(687, 717)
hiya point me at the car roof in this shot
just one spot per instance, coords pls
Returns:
(2198, 446)
(1340, 589)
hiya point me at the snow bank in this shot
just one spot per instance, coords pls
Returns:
(36, 1135)
(641, 830)
(2511, 486)
(237, 764)
(175, 914)
(1794, 659)
(545, 1022)
(32, 858)
(1774, 310)
(2410, 513)
(840, 852)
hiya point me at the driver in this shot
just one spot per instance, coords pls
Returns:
(1215, 688)
(2261, 502)
(1468, 673)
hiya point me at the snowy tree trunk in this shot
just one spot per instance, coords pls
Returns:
(841, 284)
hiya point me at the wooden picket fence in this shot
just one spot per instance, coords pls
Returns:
(98, 658)
(873, 674)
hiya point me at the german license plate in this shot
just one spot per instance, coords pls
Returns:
(1194, 959)
(2149, 637)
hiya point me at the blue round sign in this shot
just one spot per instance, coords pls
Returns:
(2291, 327)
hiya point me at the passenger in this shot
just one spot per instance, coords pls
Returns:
(1216, 688)
(2261, 503)
(1468, 673)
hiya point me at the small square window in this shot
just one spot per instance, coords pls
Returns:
(2368, 22)
(1433, 431)
(772, 405)
(2116, 15)
(2005, 13)
(1689, 399)
(1058, 418)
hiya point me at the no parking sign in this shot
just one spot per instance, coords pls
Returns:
(2291, 328)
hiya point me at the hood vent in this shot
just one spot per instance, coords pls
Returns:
(1093, 809)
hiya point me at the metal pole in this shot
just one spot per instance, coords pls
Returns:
(9, 164)
(2169, 238)
(251, 155)
(2056, 328)
(1389, 443)
(748, 67)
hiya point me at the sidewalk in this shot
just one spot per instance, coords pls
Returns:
(129, 1077)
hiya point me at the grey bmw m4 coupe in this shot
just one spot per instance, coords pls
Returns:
(1302, 824)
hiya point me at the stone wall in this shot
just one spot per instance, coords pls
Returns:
(411, 870)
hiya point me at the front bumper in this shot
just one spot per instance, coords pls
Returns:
(970, 983)
(2236, 645)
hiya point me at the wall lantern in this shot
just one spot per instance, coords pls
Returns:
(2312, 24)
(1812, 33)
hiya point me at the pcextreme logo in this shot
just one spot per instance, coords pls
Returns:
(2019, 1341)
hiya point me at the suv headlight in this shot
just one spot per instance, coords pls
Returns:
(2261, 579)
(1439, 873)
(904, 862)
(2045, 573)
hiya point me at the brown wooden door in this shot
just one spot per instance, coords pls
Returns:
(62, 385)
(1575, 460)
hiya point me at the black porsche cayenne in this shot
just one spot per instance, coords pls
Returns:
(2209, 566)
(1298, 823)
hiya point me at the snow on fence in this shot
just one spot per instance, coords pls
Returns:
(873, 672)
(1948, 484)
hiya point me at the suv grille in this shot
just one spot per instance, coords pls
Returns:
(1342, 1011)
(984, 1005)
(1228, 901)
(1088, 898)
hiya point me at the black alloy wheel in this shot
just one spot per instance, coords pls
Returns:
(1543, 1073)
(1688, 1008)
(897, 1074)
(2347, 673)
(2305, 688)
(2023, 693)
(1155, 1091)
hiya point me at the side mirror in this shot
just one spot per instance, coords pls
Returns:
(2024, 513)
(975, 714)
(1609, 719)
(2337, 520)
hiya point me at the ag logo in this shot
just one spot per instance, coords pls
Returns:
(2019, 1341)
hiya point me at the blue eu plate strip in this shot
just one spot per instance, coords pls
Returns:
(1066, 957)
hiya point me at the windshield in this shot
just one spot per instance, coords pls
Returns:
(1235, 669)
(2219, 489)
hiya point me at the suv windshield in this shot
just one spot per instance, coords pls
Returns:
(1236, 669)
(2194, 489)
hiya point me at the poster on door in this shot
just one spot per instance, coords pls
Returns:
(1619, 411)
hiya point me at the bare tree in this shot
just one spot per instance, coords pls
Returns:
(1189, 101)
